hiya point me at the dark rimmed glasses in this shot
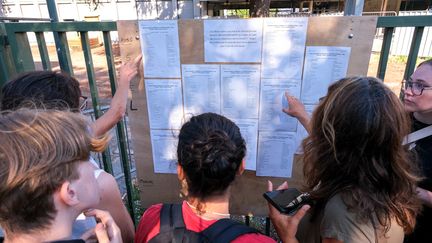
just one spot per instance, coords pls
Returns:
(416, 87)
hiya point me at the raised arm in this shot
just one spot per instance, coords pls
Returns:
(296, 109)
(118, 103)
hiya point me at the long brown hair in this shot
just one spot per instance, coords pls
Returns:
(354, 149)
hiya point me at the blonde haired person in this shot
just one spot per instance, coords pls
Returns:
(46, 178)
(59, 91)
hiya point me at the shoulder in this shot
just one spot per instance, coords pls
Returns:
(252, 238)
(342, 224)
(149, 224)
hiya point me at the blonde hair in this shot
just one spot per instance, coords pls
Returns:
(39, 150)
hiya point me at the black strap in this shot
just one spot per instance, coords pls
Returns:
(226, 230)
(171, 217)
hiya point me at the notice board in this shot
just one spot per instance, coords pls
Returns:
(354, 32)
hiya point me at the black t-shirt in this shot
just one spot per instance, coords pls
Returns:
(423, 156)
(423, 150)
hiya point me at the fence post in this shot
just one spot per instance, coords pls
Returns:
(7, 68)
(60, 40)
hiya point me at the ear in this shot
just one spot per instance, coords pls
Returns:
(242, 167)
(68, 194)
(180, 172)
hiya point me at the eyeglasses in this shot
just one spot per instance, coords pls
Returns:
(416, 87)
(83, 103)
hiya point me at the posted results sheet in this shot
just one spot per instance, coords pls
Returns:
(284, 41)
(272, 102)
(323, 66)
(275, 153)
(201, 89)
(233, 40)
(164, 103)
(249, 131)
(240, 91)
(160, 48)
(164, 148)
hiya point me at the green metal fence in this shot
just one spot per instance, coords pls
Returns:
(16, 57)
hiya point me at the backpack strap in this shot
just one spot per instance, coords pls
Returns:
(417, 135)
(226, 230)
(171, 220)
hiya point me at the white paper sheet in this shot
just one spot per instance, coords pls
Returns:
(160, 48)
(234, 40)
(249, 131)
(201, 89)
(273, 100)
(301, 131)
(275, 153)
(164, 102)
(323, 66)
(164, 148)
(283, 47)
(240, 90)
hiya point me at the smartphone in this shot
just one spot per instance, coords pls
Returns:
(288, 201)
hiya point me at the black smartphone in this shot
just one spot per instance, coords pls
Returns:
(288, 201)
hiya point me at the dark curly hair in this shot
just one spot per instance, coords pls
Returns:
(355, 150)
(210, 151)
(43, 89)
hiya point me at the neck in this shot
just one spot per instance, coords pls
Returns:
(424, 117)
(217, 205)
(59, 229)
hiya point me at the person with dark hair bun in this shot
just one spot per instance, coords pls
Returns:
(211, 154)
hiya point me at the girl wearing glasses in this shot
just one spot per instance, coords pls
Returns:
(59, 91)
(417, 97)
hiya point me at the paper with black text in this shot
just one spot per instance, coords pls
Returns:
(164, 103)
(273, 100)
(284, 41)
(323, 65)
(160, 48)
(275, 153)
(164, 148)
(233, 40)
(201, 89)
(240, 90)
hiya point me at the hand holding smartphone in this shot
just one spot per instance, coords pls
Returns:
(288, 201)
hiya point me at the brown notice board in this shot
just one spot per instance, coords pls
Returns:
(354, 32)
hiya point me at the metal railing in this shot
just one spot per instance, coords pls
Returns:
(16, 57)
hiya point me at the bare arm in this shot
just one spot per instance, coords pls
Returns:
(296, 109)
(111, 201)
(425, 196)
(118, 103)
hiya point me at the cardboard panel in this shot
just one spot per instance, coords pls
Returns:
(355, 32)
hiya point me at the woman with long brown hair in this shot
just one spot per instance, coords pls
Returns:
(356, 168)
